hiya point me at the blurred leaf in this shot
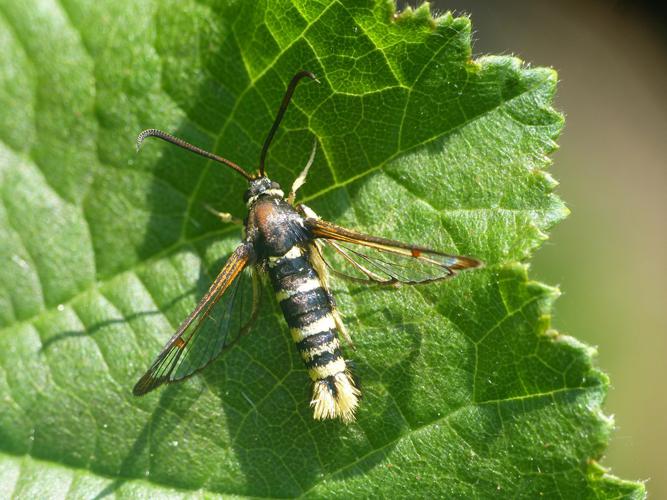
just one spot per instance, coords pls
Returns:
(467, 392)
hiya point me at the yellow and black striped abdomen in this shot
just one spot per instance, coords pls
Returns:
(308, 312)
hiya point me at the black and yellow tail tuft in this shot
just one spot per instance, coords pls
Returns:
(308, 312)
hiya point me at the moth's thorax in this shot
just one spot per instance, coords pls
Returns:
(274, 226)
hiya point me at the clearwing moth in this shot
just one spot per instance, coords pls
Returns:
(286, 241)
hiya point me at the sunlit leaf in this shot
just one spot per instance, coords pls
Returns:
(467, 390)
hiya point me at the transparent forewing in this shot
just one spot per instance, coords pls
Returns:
(369, 259)
(222, 315)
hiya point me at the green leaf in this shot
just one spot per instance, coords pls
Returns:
(467, 390)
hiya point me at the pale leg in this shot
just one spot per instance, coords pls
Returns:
(223, 216)
(301, 179)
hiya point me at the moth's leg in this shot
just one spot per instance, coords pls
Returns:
(342, 329)
(316, 259)
(301, 179)
(306, 211)
(223, 216)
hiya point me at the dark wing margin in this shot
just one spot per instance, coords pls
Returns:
(229, 306)
(384, 261)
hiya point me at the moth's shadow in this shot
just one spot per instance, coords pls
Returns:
(101, 325)
(281, 448)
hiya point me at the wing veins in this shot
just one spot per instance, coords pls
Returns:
(414, 270)
(167, 360)
(324, 229)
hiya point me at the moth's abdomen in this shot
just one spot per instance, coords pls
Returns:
(308, 313)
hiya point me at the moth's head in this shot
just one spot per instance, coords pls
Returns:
(262, 186)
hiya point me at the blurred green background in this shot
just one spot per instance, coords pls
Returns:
(609, 256)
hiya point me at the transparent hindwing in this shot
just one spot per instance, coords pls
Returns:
(223, 314)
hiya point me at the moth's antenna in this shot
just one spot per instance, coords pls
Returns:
(281, 112)
(153, 132)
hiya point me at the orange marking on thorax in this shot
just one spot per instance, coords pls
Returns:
(415, 252)
(264, 212)
(180, 343)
